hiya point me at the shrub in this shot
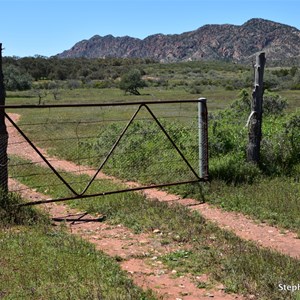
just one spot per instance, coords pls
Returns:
(11, 214)
(15, 79)
(195, 88)
(280, 147)
(273, 104)
(132, 81)
(233, 169)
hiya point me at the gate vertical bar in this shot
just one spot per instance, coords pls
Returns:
(203, 138)
(3, 133)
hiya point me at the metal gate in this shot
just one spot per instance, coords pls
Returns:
(132, 146)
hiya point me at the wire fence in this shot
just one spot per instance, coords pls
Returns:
(77, 151)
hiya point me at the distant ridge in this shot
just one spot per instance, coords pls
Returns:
(209, 42)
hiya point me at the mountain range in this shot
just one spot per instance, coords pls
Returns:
(209, 42)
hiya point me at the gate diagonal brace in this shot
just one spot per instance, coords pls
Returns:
(123, 133)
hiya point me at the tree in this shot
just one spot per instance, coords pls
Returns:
(15, 79)
(131, 81)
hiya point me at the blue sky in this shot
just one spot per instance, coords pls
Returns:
(47, 27)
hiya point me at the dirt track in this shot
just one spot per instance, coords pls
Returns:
(120, 241)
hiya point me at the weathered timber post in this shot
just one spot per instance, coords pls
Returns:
(203, 138)
(3, 134)
(255, 118)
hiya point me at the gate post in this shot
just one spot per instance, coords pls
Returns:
(3, 134)
(255, 119)
(203, 138)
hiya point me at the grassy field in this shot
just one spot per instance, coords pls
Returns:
(217, 97)
(277, 206)
(241, 266)
(39, 261)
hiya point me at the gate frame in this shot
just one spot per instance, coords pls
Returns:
(203, 145)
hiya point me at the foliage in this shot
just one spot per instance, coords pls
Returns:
(82, 69)
(280, 146)
(144, 150)
(11, 214)
(132, 81)
(47, 263)
(194, 75)
(233, 169)
(273, 104)
(15, 79)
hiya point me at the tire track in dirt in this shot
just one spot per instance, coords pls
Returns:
(138, 254)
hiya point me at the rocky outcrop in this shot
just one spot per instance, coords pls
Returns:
(208, 42)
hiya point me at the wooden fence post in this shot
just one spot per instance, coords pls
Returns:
(255, 119)
(3, 134)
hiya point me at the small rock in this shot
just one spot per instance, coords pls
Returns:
(221, 287)
(156, 231)
(173, 271)
(177, 237)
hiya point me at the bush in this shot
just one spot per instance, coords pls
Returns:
(228, 138)
(15, 79)
(280, 147)
(132, 81)
(233, 169)
(195, 88)
(295, 86)
(11, 214)
(102, 84)
(273, 104)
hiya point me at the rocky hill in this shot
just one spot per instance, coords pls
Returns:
(208, 42)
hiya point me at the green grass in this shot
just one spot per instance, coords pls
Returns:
(275, 200)
(241, 266)
(217, 97)
(293, 97)
(50, 264)
(43, 262)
